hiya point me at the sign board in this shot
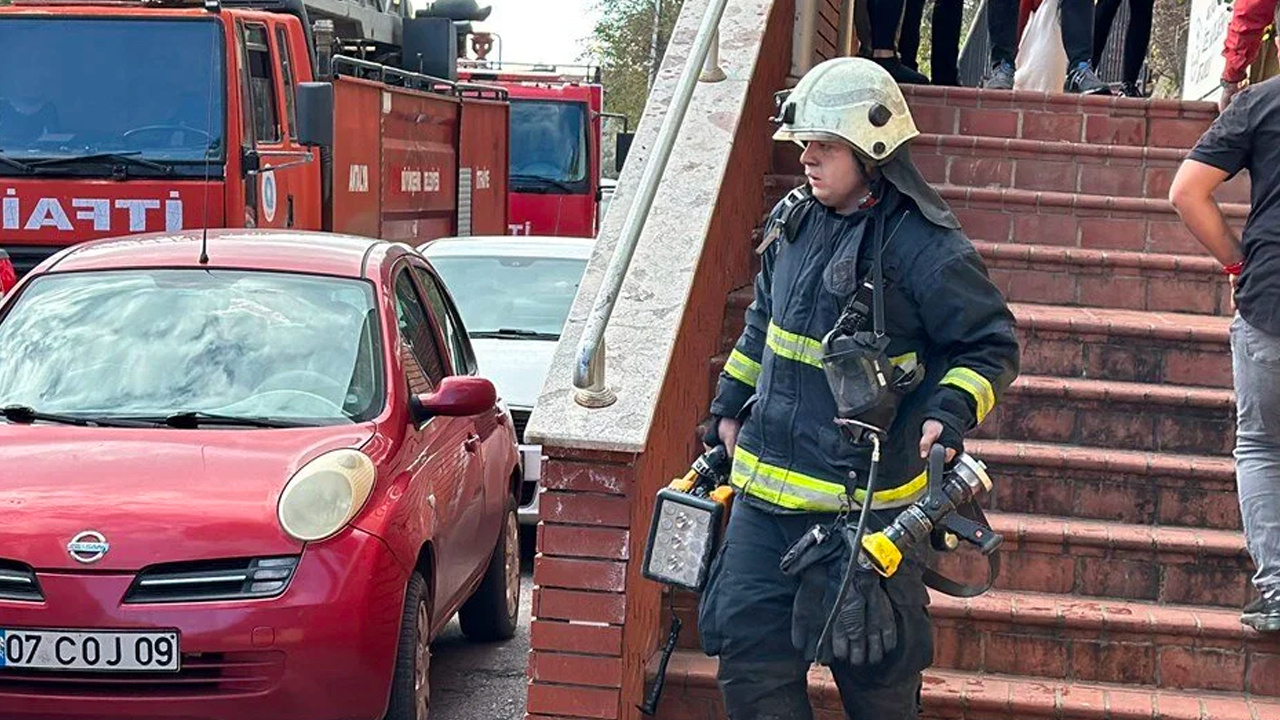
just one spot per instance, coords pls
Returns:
(1203, 73)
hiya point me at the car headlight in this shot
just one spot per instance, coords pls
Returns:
(322, 497)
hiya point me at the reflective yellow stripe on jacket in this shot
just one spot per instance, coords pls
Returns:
(742, 368)
(797, 491)
(794, 347)
(976, 386)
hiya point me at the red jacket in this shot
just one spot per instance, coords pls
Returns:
(1249, 18)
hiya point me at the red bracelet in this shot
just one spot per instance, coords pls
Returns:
(1233, 268)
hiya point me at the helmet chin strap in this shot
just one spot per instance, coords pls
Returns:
(871, 179)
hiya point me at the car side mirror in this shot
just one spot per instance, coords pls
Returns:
(314, 106)
(623, 147)
(457, 396)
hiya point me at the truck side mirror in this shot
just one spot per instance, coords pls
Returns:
(624, 147)
(314, 101)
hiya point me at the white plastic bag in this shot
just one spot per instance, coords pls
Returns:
(1042, 60)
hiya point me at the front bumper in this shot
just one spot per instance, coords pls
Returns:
(325, 649)
(531, 483)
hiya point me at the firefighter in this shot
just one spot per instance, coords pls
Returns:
(948, 336)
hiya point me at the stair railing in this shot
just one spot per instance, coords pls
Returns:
(703, 64)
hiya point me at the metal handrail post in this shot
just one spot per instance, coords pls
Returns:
(588, 374)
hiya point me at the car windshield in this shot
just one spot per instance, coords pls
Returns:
(548, 146)
(513, 296)
(148, 89)
(152, 343)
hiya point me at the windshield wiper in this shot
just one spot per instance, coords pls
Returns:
(127, 158)
(16, 164)
(193, 419)
(517, 333)
(562, 185)
(26, 415)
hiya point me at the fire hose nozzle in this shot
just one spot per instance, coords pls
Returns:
(883, 554)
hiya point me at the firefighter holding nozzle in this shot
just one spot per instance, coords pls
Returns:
(875, 334)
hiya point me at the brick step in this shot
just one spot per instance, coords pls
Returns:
(1121, 486)
(1118, 279)
(1099, 343)
(692, 694)
(1124, 345)
(1085, 640)
(1088, 561)
(1055, 116)
(1057, 218)
(1076, 277)
(1115, 415)
(1045, 165)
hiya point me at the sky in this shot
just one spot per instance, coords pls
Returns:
(540, 31)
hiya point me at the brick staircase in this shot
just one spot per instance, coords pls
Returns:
(1124, 569)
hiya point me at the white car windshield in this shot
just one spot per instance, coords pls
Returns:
(295, 349)
(504, 296)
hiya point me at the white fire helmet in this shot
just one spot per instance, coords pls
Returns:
(848, 99)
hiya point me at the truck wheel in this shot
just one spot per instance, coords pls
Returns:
(411, 684)
(491, 613)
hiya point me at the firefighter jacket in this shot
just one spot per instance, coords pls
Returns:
(941, 309)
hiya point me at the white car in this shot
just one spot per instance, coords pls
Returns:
(514, 294)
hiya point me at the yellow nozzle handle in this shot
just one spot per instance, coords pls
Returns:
(684, 484)
(884, 555)
(722, 494)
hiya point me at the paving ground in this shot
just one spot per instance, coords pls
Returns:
(484, 682)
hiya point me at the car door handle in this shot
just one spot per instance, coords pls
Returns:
(472, 443)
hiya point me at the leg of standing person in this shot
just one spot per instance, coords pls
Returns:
(744, 617)
(1137, 39)
(909, 35)
(1104, 16)
(1077, 40)
(1255, 357)
(1002, 27)
(886, 18)
(948, 16)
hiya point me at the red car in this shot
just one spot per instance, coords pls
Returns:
(255, 487)
(8, 277)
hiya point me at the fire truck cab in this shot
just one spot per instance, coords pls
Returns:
(556, 170)
(125, 116)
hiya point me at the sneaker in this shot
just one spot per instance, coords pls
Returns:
(1129, 89)
(1001, 77)
(1263, 614)
(1083, 80)
(902, 74)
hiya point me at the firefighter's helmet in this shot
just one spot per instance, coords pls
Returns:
(850, 99)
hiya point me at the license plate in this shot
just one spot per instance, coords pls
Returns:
(89, 650)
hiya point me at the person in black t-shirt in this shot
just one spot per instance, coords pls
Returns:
(1247, 137)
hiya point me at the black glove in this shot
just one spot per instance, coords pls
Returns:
(813, 558)
(865, 630)
(710, 431)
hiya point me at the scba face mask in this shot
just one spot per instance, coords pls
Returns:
(865, 383)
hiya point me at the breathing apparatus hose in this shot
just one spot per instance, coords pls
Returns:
(878, 327)
(855, 550)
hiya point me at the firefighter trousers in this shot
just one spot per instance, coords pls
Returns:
(744, 617)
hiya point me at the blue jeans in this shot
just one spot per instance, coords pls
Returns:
(1255, 360)
(745, 618)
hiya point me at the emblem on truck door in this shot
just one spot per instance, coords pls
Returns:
(88, 547)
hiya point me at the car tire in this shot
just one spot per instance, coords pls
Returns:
(411, 683)
(492, 613)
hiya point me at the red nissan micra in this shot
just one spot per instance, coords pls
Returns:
(248, 488)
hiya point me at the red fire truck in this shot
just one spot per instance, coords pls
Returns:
(556, 143)
(121, 116)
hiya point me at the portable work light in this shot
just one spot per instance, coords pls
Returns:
(683, 536)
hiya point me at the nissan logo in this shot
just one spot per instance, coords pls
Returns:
(88, 547)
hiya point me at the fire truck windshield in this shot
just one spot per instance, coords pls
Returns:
(549, 147)
(78, 90)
